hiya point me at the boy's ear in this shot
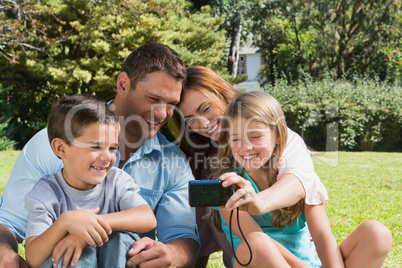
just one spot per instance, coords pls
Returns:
(123, 83)
(59, 147)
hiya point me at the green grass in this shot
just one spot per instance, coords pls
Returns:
(361, 186)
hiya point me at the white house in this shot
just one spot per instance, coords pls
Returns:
(249, 64)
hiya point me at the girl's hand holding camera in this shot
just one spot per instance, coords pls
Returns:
(245, 198)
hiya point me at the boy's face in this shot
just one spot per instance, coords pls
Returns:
(91, 156)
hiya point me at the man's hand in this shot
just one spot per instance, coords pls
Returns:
(71, 247)
(10, 259)
(150, 253)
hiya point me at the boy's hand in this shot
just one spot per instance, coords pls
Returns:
(86, 224)
(71, 247)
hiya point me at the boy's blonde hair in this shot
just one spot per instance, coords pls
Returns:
(262, 108)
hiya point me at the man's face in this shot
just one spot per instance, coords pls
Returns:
(147, 107)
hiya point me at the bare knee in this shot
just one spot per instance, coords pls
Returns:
(379, 236)
(261, 246)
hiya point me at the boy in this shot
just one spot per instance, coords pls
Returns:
(88, 198)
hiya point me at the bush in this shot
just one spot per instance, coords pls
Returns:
(363, 114)
(5, 118)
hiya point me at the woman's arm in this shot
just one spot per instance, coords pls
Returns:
(320, 230)
(140, 219)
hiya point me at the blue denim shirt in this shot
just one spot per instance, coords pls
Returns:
(158, 167)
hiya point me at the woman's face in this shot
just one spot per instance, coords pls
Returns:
(201, 113)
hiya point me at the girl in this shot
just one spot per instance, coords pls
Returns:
(253, 137)
(197, 126)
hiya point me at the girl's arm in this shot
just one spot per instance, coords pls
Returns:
(248, 225)
(320, 230)
(140, 219)
(285, 192)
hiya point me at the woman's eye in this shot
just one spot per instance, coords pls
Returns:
(206, 109)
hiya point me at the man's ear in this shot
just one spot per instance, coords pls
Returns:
(123, 83)
(59, 147)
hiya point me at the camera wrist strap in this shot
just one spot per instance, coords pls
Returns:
(245, 240)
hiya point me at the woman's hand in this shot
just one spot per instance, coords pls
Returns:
(244, 197)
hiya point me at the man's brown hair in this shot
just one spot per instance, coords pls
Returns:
(151, 58)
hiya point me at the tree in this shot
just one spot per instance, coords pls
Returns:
(342, 36)
(237, 19)
(86, 42)
(18, 31)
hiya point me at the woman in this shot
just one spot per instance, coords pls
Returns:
(197, 126)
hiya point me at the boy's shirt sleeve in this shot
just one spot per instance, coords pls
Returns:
(128, 192)
(35, 161)
(40, 215)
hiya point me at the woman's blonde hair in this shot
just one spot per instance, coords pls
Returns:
(258, 107)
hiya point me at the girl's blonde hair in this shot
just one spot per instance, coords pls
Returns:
(258, 107)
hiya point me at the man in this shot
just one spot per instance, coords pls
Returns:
(148, 89)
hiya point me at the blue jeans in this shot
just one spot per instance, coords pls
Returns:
(111, 254)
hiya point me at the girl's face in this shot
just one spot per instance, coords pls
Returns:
(252, 143)
(201, 113)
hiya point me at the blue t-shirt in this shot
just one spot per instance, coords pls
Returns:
(296, 237)
(158, 167)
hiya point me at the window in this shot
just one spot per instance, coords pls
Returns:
(241, 67)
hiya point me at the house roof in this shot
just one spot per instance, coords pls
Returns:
(249, 48)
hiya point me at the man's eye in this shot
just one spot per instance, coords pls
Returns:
(95, 147)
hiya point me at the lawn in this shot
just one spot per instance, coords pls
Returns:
(361, 186)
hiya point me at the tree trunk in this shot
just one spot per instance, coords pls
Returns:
(234, 47)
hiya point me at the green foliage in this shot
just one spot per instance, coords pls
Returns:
(84, 44)
(345, 38)
(93, 38)
(5, 118)
(365, 114)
